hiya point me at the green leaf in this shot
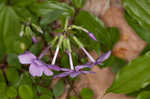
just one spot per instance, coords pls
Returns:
(25, 92)
(50, 17)
(105, 37)
(45, 97)
(2, 87)
(143, 33)
(144, 95)
(140, 11)
(78, 3)
(13, 61)
(133, 76)
(11, 92)
(44, 91)
(10, 32)
(58, 89)
(87, 93)
(49, 6)
(2, 79)
(12, 75)
(73, 97)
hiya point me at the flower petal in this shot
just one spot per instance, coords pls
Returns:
(103, 57)
(86, 72)
(35, 70)
(54, 67)
(88, 65)
(92, 36)
(47, 71)
(62, 74)
(26, 58)
(74, 74)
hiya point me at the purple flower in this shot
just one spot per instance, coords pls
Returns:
(102, 58)
(37, 67)
(34, 40)
(73, 73)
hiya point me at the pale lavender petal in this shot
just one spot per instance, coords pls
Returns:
(87, 72)
(65, 69)
(26, 58)
(88, 65)
(47, 71)
(35, 71)
(39, 63)
(103, 57)
(62, 75)
(54, 67)
(92, 36)
(74, 74)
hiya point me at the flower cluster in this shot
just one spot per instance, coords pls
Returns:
(38, 67)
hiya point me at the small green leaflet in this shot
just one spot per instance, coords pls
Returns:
(25, 92)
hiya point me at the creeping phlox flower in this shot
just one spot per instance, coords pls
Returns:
(38, 67)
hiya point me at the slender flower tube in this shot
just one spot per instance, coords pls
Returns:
(85, 30)
(100, 59)
(57, 49)
(84, 50)
(71, 61)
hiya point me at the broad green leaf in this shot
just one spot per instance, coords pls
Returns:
(73, 97)
(13, 61)
(10, 40)
(105, 37)
(144, 95)
(139, 10)
(12, 75)
(50, 17)
(87, 93)
(49, 6)
(2, 87)
(11, 92)
(133, 76)
(143, 33)
(78, 3)
(58, 89)
(45, 97)
(25, 92)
